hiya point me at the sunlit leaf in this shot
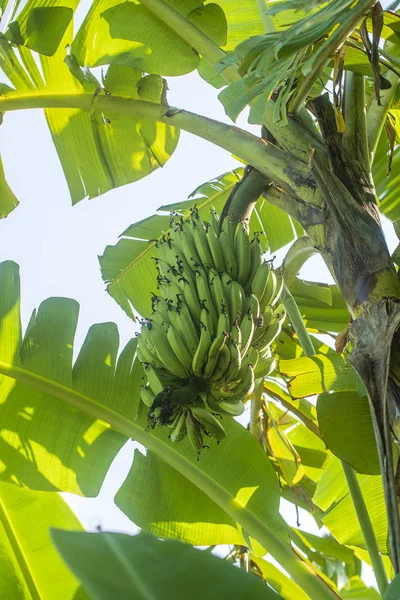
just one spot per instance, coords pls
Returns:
(319, 373)
(287, 588)
(30, 566)
(346, 426)
(129, 33)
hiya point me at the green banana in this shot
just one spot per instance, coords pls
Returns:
(278, 287)
(253, 305)
(222, 407)
(236, 296)
(255, 262)
(242, 389)
(217, 291)
(260, 279)
(179, 430)
(280, 313)
(222, 365)
(191, 299)
(236, 334)
(229, 254)
(247, 330)
(201, 353)
(215, 250)
(213, 354)
(177, 343)
(155, 380)
(202, 245)
(263, 322)
(147, 355)
(253, 356)
(264, 367)
(184, 326)
(194, 432)
(214, 221)
(147, 395)
(272, 331)
(205, 297)
(208, 422)
(188, 246)
(242, 253)
(269, 291)
(223, 323)
(235, 362)
(159, 338)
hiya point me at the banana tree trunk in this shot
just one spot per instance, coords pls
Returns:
(347, 232)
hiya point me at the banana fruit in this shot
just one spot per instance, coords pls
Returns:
(214, 318)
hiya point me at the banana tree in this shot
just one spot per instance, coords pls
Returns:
(322, 84)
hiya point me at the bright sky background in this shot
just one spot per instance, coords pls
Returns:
(57, 246)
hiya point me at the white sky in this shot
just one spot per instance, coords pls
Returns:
(57, 246)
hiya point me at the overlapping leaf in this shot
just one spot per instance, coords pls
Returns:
(8, 201)
(127, 32)
(48, 443)
(128, 268)
(142, 566)
(30, 566)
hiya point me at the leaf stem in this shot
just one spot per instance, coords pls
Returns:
(355, 139)
(315, 587)
(366, 528)
(288, 172)
(192, 35)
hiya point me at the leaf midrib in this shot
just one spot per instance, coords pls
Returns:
(18, 552)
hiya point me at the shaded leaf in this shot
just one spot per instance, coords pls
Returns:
(393, 592)
(143, 567)
(346, 426)
(321, 306)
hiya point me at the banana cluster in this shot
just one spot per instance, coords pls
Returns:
(214, 319)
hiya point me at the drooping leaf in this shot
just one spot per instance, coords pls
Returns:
(8, 201)
(144, 567)
(129, 33)
(30, 566)
(346, 426)
(41, 24)
(100, 152)
(332, 485)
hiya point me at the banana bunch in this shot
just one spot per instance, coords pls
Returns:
(209, 337)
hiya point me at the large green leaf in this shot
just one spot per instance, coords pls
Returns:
(342, 521)
(118, 31)
(393, 592)
(319, 373)
(46, 444)
(7, 199)
(355, 589)
(321, 306)
(145, 568)
(345, 423)
(41, 24)
(30, 566)
(62, 426)
(128, 268)
(185, 512)
(100, 152)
